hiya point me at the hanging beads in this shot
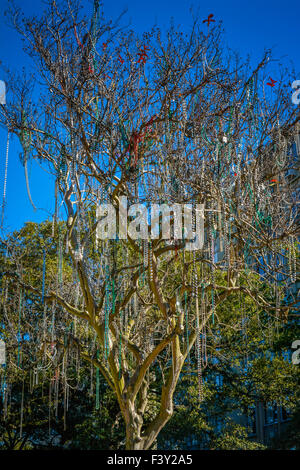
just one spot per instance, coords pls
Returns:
(150, 261)
(26, 142)
(97, 404)
(184, 110)
(22, 409)
(145, 243)
(244, 329)
(187, 326)
(21, 300)
(292, 261)
(106, 312)
(204, 332)
(5, 179)
(44, 275)
(120, 343)
(198, 341)
(60, 258)
(227, 241)
(77, 254)
(212, 256)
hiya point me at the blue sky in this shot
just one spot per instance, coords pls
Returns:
(250, 27)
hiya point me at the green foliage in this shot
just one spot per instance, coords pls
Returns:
(234, 437)
(247, 350)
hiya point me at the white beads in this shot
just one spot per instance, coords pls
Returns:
(150, 261)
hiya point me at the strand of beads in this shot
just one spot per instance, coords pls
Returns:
(26, 142)
(60, 257)
(228, 133)
(219, 226)
(204, 328)
(212, 257)
(77, 253)
(187, 327)
(244, 328)
(145, 253)
(44, 274)
(125, 326)
(55, 215)
(184, 118)
(120, 343)
(277, 300)
(195, 297)
(292, 261)
(150, 261)
(21, 301)
(198, 341)
(5, 179)
(281, 155)
(97, 404)
(22, 409)
(227, 242)
(238, 169)
(106, 311)
(249, 104)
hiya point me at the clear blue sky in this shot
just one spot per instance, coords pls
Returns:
(250, 27)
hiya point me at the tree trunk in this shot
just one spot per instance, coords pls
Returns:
(135, 439)
(133, 442)
(134, 423)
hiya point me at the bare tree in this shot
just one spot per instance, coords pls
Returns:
(165, 118)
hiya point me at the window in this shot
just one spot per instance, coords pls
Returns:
(284, 414)
(219, 380)
(252, 420)
(271, 413)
